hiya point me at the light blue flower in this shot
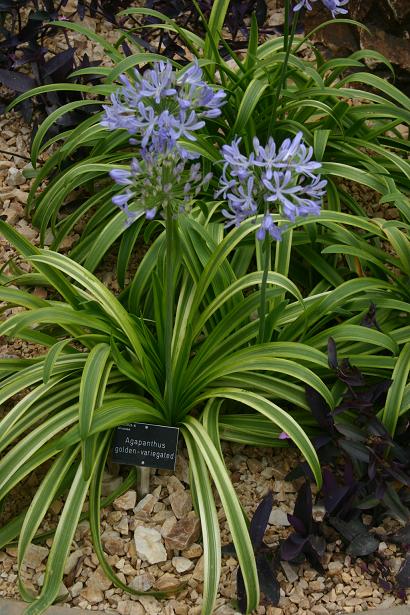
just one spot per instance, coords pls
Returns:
(334, 6)
(269, 177)
(160, 107)
(157, 83)
(268, 226)
(157, 181)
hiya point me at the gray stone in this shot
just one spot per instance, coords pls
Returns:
(149, 546)
(35, 555)
(183, 533)
(279, 517)
(15, 177)
(289, 571)
(167, 582)
(126, 501)
(92, 594)
(182, 564)
(181, 503)
(142, 582)
(113, 543)
(72, 561)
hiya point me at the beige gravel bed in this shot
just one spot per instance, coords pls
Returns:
(155, 543)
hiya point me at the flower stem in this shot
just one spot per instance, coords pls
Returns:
(287, 44)
(266, 250)
(169, 307)
(282, 260)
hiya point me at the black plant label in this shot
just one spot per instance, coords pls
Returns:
(145, 445)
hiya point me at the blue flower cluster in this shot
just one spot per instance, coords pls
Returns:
(285, 177)
(159, 109)
(334, 6)
(158, 180)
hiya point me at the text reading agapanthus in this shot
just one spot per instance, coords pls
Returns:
(142, 444)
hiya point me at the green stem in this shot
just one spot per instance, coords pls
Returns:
(262, 309)
(286, 25)
(282, 259)
(287, 43)
(169, 307)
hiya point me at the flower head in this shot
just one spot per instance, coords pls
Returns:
(334, 6)
(157, 181)
(160, 107)
(270, 176)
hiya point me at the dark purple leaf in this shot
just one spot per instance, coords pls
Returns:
(30, 55)
(368, 503)
(362, 545)
(403, 576)
(303, 469)
(60, 65)
(241, 592)
(319, 408)
(267, 579)
(376, 428)
(394, 503)
(378, 391)
(355, 450)
(41, 16)
(349, 530)
(49, 5)
(317, 544)
(298, 525)
(320, 442)
(400, 454)
(332, 491)
(314, 550)
(402, 536)
(261, 12)
(398, 474)
(303, 506)
(348, 473)
(16, 81)
(370, 318)
(349, 374)
(385, 585)
(229, 549)
(126, 48)
(351, 432)
(81, 9)
(372, 469)
(260, 520)
(292, 547)
(332, 353)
